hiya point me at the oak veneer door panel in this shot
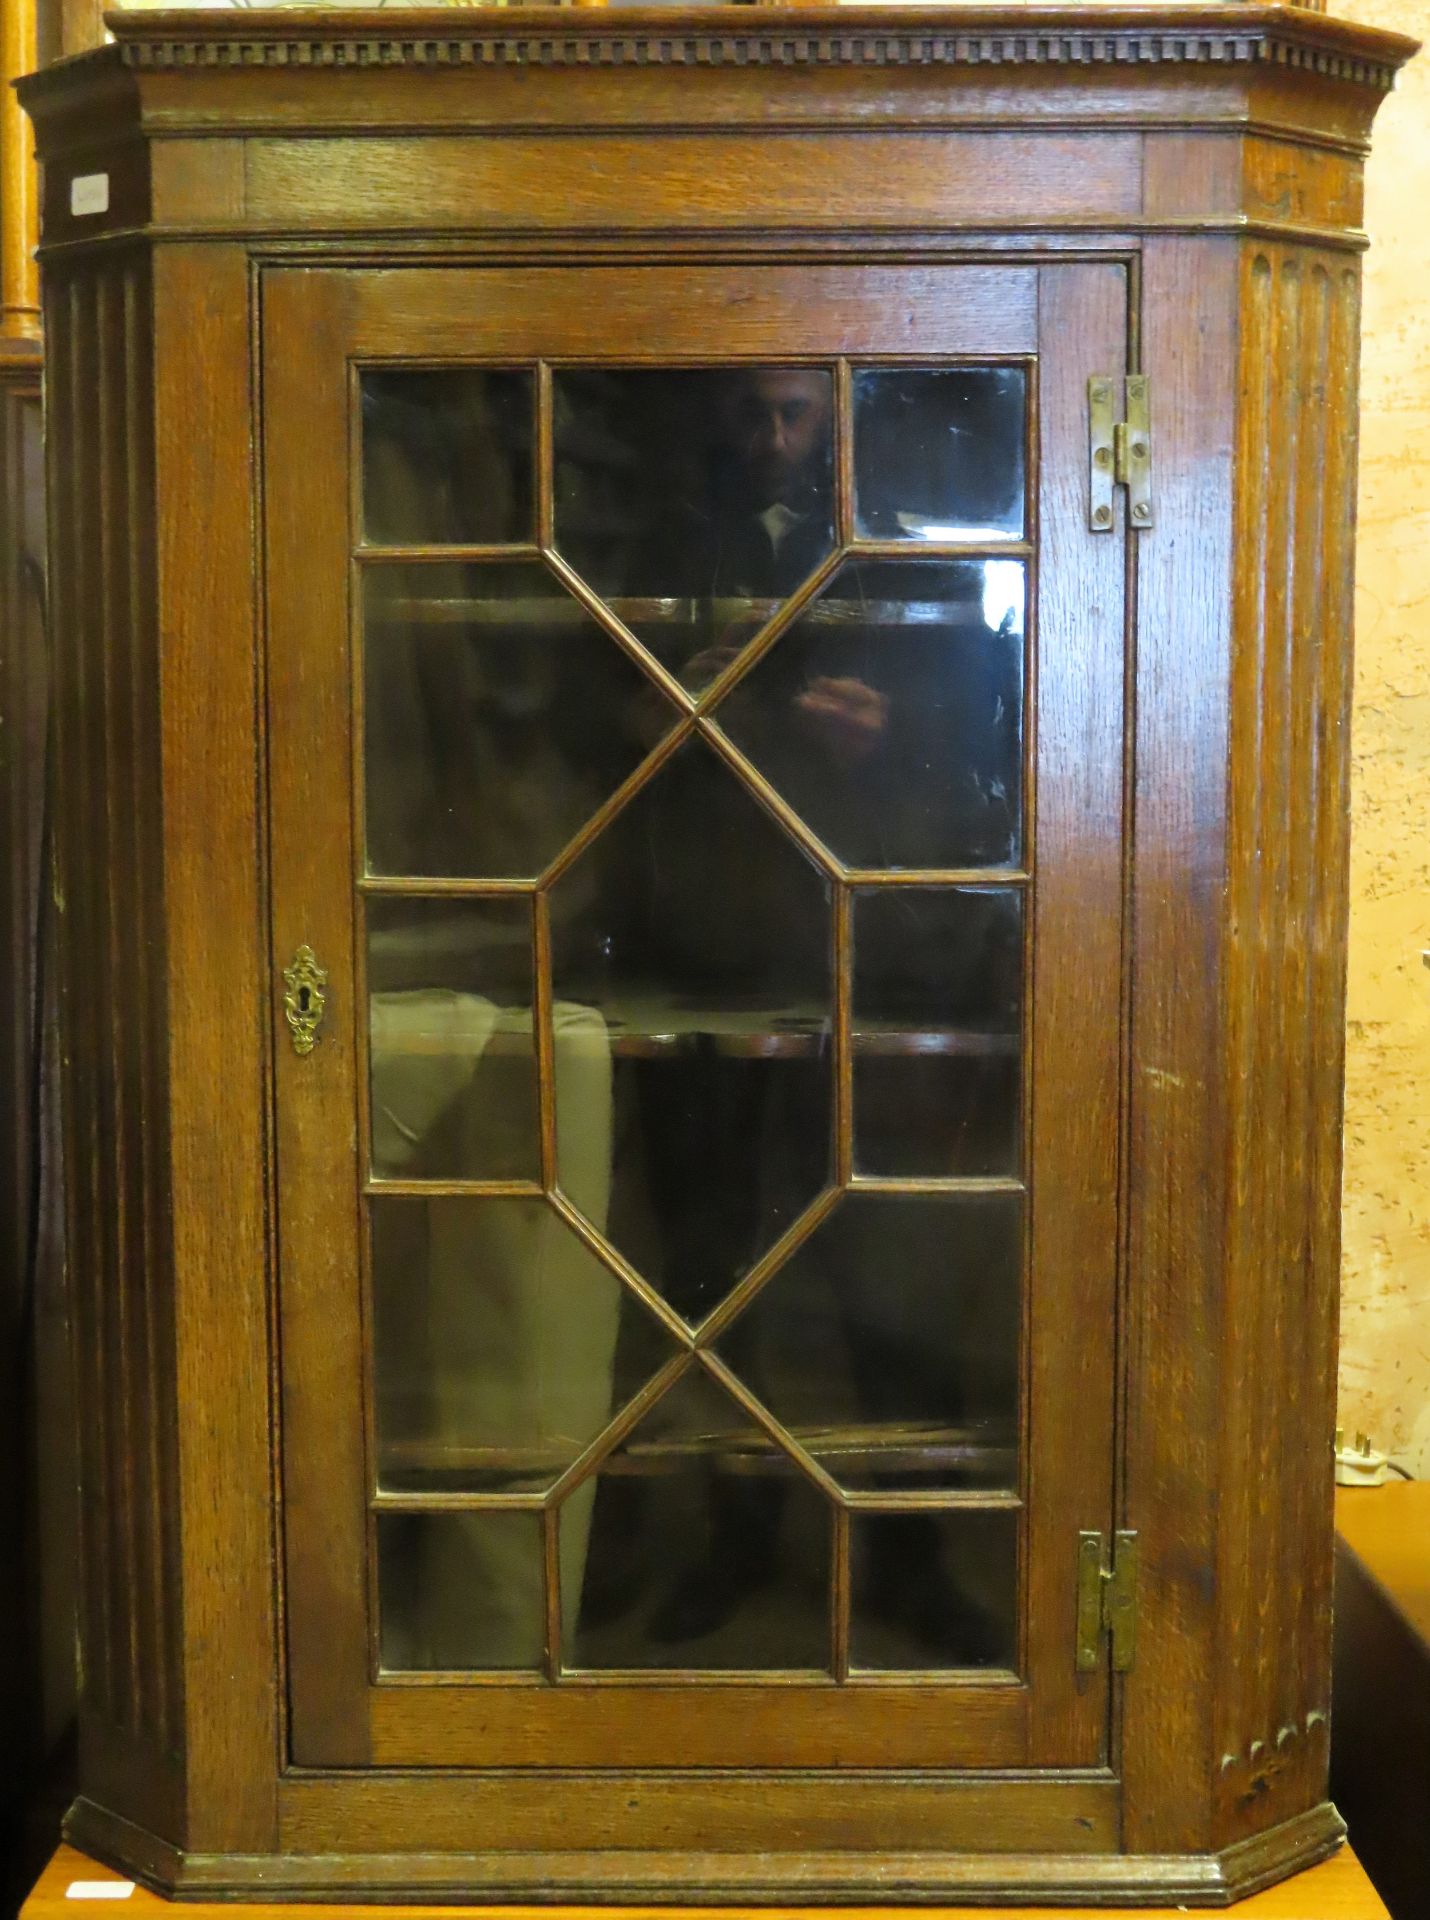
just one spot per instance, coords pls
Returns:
(696, 768)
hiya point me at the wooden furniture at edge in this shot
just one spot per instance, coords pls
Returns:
(1380, 1748)
(1173, 191)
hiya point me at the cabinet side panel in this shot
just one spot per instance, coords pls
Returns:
(1173, 1317)
(109, 917)
(216, 1009)
(1287, 853)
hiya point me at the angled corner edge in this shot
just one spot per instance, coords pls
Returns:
(116, 1842)
(1289, 1847)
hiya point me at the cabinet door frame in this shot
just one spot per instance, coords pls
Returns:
(1070, 319)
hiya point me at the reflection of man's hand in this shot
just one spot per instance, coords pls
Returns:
(706, 666)
(847, 716)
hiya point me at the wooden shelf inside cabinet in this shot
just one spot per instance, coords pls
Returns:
(886, 1451)
(676, 611)
(654, 1028)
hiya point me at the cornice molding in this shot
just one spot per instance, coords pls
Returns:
(788, 49)
(979, 36)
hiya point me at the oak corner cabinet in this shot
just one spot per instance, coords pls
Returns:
(702, 668)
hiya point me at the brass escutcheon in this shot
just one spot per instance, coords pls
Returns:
(304, 1001)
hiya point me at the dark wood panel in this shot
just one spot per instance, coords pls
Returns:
(214, 1018)
(1080, 663)
(110, 930)
(1287, 912)
(919, 310)
(699, 180)
(316, 1116)
(38, 1681)
(687, 1725)
(1172, 1305)
(451, 1813)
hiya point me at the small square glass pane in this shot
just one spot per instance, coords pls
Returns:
(887, 1344)
(890, 714)
(932, 1591)
(501, 1345)
(498, 716)
(453, 1058)
(698, 1545)
(460, 1591)
(937, 999)
(938, 453)
(447, 456)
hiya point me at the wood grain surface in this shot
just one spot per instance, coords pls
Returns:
(1338, 1889)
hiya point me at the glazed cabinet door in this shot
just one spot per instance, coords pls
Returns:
(695, 751)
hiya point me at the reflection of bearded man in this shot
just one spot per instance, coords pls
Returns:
(772, 525)
(775, 423)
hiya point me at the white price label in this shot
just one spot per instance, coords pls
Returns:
(89, 193)
(99, 1889)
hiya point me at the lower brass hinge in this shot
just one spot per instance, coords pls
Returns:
(1106, 1601)
(1119, 451)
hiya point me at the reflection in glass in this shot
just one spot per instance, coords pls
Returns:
(695, 501)
(498, 717)
(938, 453)
(888, 1343)
(930, 1591)
(502, 1345)
(460, 1590)
(698, 934)
(889, 716)
(708, 1548)
(447, 456)
(937, 1000)
(453, 1060)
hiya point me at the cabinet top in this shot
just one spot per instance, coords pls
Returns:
(459, 123)
(1067, 32)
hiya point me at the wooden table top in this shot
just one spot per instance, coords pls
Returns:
(1336, 1890)
(1388, 1530)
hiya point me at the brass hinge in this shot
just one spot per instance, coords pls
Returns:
(1119, 451)
(1106, 1601)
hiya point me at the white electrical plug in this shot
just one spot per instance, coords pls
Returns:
(1361, 1465)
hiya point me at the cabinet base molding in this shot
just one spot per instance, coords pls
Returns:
(622, 1876)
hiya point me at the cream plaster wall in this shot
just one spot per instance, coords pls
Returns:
(1385, 1323)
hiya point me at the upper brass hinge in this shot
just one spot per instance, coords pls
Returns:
(1106, 1600)
(1119, 451)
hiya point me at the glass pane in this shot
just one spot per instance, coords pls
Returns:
(446, 456)
(938, 454)
(453, 1055)
(502, 1345)
(460, 1590)
(694, 501)
(890, 715)
(888, 1343)
(705, 1547)
(498, 717)
(937, 1009)
(930, 1591)
(693, 937)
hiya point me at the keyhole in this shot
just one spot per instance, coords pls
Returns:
(304, 997)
